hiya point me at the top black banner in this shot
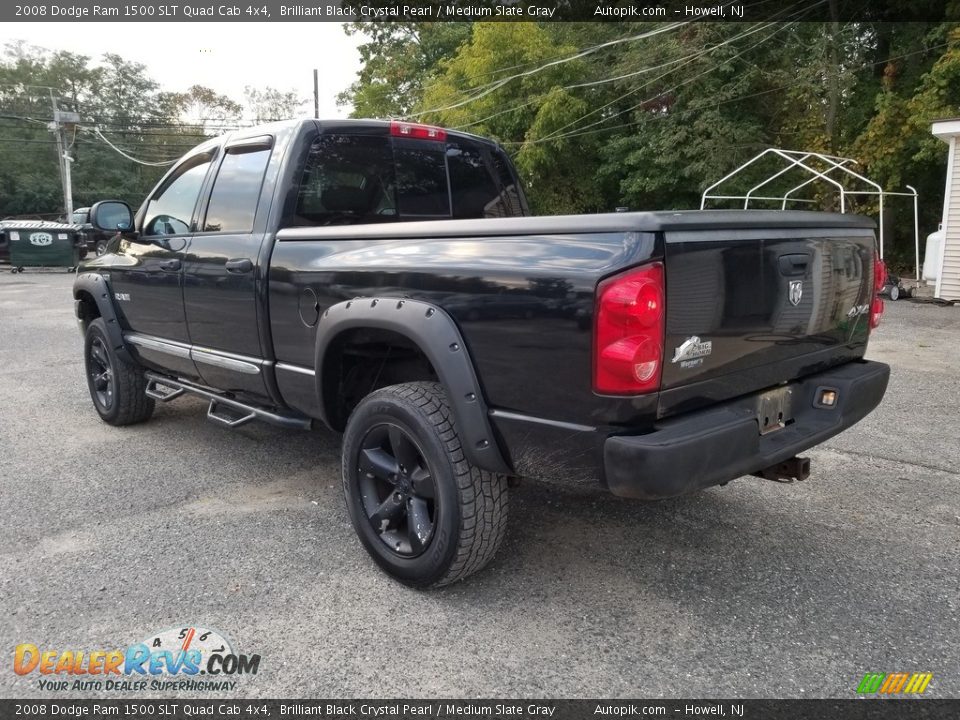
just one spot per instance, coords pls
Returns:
(484, 10)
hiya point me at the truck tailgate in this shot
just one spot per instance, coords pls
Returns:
(752, 308)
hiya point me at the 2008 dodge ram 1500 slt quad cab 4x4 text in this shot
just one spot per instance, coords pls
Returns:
(384, 279)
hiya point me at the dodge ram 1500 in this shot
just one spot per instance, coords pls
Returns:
(385, 279)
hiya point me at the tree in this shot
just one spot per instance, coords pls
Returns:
(399, 60)
(200, 106)
(271, 104)
(499, 84)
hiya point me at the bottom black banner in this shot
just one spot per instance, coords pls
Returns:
(907, 709)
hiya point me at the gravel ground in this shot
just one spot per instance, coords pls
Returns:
(756, 589)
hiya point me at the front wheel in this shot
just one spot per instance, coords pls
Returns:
(423, 512)
(117, 388)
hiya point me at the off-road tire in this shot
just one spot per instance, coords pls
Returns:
(128, 403)
(470, 511)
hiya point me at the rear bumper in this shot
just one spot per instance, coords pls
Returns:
(712, 446)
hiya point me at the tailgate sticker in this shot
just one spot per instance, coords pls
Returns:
(691, 348)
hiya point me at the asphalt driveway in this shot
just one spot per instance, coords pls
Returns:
(756, 589)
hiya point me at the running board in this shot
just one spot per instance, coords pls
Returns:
(223, 410)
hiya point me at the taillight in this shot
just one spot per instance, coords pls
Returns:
(879, 280)
(417, 131)
(628, 332)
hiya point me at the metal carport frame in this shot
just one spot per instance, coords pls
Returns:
(797, 159)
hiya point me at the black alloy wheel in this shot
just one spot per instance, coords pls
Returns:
(425, 515)
(397, 489)
(117, 387)
(100, 370)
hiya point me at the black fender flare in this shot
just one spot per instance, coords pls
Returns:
(438, 336)
(97, 287)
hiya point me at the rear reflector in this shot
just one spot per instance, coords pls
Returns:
(628, 332)
(414, 130)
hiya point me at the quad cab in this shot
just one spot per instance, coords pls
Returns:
(385, 280)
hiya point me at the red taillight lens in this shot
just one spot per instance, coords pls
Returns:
(879, 280)
(628, 333)
(419, 132)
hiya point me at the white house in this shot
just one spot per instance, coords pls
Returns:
(948, 281)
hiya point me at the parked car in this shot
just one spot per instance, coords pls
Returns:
(316, 272)
(96, 241)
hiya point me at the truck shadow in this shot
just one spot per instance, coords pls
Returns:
(750, 542)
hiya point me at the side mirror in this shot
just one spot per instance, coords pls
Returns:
(112, 216)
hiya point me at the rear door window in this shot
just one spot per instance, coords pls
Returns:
(236, 191)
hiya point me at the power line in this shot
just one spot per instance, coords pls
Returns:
(558, 134)
(485, 90)
(748, 96)
(686, 60)
(130, 157)
(747, 6)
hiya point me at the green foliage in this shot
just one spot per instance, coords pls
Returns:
(649, 123)
(520, 111)
(119, 99)
(271, 104)
(396, 62)
(646, 122)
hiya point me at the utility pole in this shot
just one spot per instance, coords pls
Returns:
(316, 94)
(60, 121)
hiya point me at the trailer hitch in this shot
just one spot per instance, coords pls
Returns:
(796, 468)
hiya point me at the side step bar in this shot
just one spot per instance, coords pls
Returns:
(223, 410)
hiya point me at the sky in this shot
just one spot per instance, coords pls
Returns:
(221, 56)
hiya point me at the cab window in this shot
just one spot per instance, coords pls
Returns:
(347, 179)
(472, 188)
(170, 210)
(423, 189)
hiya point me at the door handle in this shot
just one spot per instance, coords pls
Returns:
(239, 265)
(170, 264)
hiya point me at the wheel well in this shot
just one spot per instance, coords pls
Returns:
(361, 360)
(87, 309)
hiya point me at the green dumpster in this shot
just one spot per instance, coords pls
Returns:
(41, 244)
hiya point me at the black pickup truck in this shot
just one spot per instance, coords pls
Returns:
(384, 279)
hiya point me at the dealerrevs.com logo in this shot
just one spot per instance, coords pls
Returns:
(186, 658)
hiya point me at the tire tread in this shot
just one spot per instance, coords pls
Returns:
(483, 494)
(130, 383)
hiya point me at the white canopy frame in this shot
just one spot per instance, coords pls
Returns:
(796, 159)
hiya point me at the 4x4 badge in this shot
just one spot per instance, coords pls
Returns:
(796, 291)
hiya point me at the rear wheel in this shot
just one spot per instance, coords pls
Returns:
(117, 388)
(101, 247)
(424, 514)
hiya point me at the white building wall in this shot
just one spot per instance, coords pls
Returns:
(948, 284)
